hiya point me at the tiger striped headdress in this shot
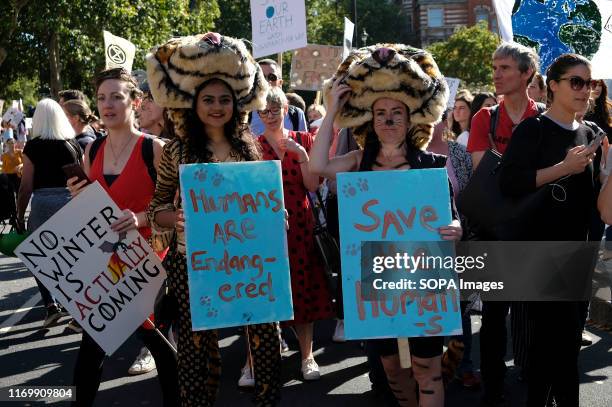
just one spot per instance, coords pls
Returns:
(394, 71)
(175, 69)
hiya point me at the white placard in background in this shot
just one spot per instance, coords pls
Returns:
(453, 86)
(119, 52)
(278, 26)
(349, 28)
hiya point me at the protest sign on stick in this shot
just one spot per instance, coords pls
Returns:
(119, 52)
(107, 281)
(237, 258)
(382, 212)
(313, 64)
(347, 45)
(453, 86)
(277, 26)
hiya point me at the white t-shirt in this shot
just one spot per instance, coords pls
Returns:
(463, 138)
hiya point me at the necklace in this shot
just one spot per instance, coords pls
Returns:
(117, 156)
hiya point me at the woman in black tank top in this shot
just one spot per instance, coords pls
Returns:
(391, 144)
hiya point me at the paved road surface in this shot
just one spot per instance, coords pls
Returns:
(30, 355)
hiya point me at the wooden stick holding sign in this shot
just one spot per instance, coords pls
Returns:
(162, 336)
(404, 353)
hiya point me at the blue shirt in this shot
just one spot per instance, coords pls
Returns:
(257, 126)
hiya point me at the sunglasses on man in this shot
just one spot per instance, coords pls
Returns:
(272, 77)
(577, 83)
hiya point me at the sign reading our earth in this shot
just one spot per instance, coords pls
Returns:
(278, 26)
(554, 27)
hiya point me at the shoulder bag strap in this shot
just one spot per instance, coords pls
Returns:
(492, 126)
(74, 152)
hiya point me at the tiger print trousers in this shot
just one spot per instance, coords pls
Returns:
(199, 359)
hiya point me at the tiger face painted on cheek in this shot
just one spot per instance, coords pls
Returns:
(395, 71)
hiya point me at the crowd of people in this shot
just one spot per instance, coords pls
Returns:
(542, 126)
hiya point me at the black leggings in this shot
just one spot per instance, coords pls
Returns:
(88, 368)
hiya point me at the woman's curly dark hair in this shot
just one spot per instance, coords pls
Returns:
(236, 132)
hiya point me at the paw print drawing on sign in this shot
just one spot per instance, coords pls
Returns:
(205, 300)
(217, 179)
(362, 184)
(212, 313)
(200, 175)
(349, 190)
(247, 316)
(351, 250)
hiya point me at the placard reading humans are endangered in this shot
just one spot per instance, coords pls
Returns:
(398, 206)
(236, 244)
(107, 281)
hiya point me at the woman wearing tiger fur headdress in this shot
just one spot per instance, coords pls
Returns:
(391, 95)
(208, 83)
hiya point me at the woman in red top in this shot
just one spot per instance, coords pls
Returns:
(118, 166)
(311, 298)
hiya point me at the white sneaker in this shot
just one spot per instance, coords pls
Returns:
(246, 378)
(339, 332)
(144, 363)
(310, 369)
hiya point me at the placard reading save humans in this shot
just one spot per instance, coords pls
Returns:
(278, 26)
(107, 281)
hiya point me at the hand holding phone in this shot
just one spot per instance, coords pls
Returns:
(75, 170)
(596, 142)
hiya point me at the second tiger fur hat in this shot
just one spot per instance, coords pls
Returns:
(395, 71)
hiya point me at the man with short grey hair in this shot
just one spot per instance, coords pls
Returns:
(514, 66)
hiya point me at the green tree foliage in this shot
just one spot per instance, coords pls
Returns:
(61, 42)
(467, 55)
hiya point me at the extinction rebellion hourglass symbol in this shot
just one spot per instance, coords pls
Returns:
(116, 54)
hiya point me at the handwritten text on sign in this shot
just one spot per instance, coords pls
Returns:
(278, 26)
(393, 206)
(311, 65)
(236, 244)
(107, 281)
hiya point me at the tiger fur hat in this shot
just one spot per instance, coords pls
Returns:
(397, 71)
(175, 69)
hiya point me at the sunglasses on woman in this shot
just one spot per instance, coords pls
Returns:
(577, 83)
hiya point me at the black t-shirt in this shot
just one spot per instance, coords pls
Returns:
(539, 143)
(48, 157)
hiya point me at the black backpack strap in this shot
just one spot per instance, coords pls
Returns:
(94, 147)
(149, 157)
(493, 125)
(295, 118)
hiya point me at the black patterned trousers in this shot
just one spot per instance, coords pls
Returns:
(199, 359)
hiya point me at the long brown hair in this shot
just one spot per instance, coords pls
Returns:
(79, 108)
(236, 132)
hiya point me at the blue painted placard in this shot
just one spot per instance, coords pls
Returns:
(236, 244)
(394, 206)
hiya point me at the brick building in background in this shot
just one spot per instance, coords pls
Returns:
(429, 21)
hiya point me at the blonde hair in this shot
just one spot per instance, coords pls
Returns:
(50, 122)
(318, 108)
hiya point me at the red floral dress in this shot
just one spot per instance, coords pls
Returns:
(311, 297)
